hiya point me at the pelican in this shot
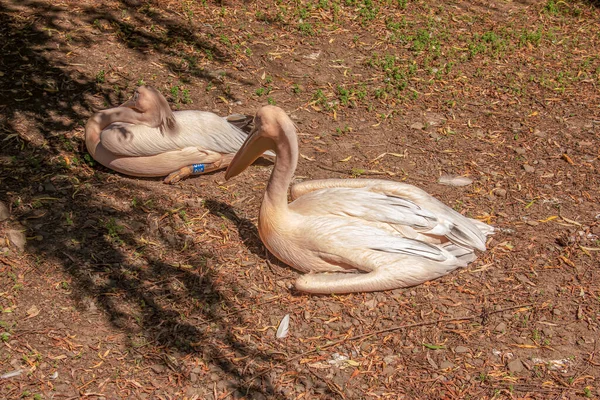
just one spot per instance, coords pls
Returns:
(352, 235)
(143, 137)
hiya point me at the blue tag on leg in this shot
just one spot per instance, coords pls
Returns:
(197, 168)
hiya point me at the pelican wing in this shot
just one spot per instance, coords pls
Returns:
(195, 129)
(389, 260)
(410, 210)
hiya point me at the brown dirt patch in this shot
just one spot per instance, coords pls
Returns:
(129, 288)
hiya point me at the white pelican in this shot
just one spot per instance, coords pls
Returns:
(352, 235)
(143, 137)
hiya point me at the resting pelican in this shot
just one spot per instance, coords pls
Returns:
(143, 137)
(352, 235)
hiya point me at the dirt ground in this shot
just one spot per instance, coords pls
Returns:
(130, 288)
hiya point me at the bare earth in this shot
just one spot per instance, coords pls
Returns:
(129, 288)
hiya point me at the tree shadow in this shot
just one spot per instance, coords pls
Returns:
(59, 199)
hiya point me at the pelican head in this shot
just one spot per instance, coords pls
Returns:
(153, 107)
(271, 126)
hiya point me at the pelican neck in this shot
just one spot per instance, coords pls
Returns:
(276, 193)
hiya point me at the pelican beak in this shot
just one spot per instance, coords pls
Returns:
(132, 102)
(254, 146)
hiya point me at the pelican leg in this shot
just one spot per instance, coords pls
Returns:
(198, 169)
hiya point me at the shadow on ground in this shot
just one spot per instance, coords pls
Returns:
(92, 228)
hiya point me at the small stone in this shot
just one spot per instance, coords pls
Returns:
(538, 133)
(461, 349)
(158, 369)
(500, 192)
(435, 135)
(4, 212)
(418, 126)
(515, 366)
(501, 327)
(371, 304)
(17, 238)
(49, 187)
(390, 360)
(556, 312)
(520, 150)
(446, 364)
(528, 168)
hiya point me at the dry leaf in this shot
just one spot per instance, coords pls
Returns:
(306, 157)
(33, 311)
(346, 159)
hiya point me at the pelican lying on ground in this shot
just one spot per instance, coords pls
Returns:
(352, 235)
(143, 137)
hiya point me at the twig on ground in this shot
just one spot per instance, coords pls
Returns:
(380, 331)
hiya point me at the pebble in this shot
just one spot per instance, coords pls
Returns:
(371, 304)
(390, 360)
(501, 327)
(49, 187)
(528, 168)
(158, 369)
(418, 125)
(520, 150)
(461, 349)
(500, 192)
(446, 364)
(17, 238)
(4, 212)
(515, 366)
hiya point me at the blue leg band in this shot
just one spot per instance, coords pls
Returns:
(196, 168)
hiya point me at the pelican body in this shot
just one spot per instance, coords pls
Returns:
(352, 235)
(143, 137)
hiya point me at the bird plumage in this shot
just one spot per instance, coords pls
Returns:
(143, 137)
(353, 235)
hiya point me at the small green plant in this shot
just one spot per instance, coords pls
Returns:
(368, 11)
(356, 172)
(528, 37)
(185, 96)
(306, 28)
(4, 336)
(551, 7)
(260, 91)
(101, 76)
(225, 40)
(68, 219)
(271, 101)
(175, 92)
(296, 89)
(344, 95)
(113, 229)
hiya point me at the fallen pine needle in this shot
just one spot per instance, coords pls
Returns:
(385, 330)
